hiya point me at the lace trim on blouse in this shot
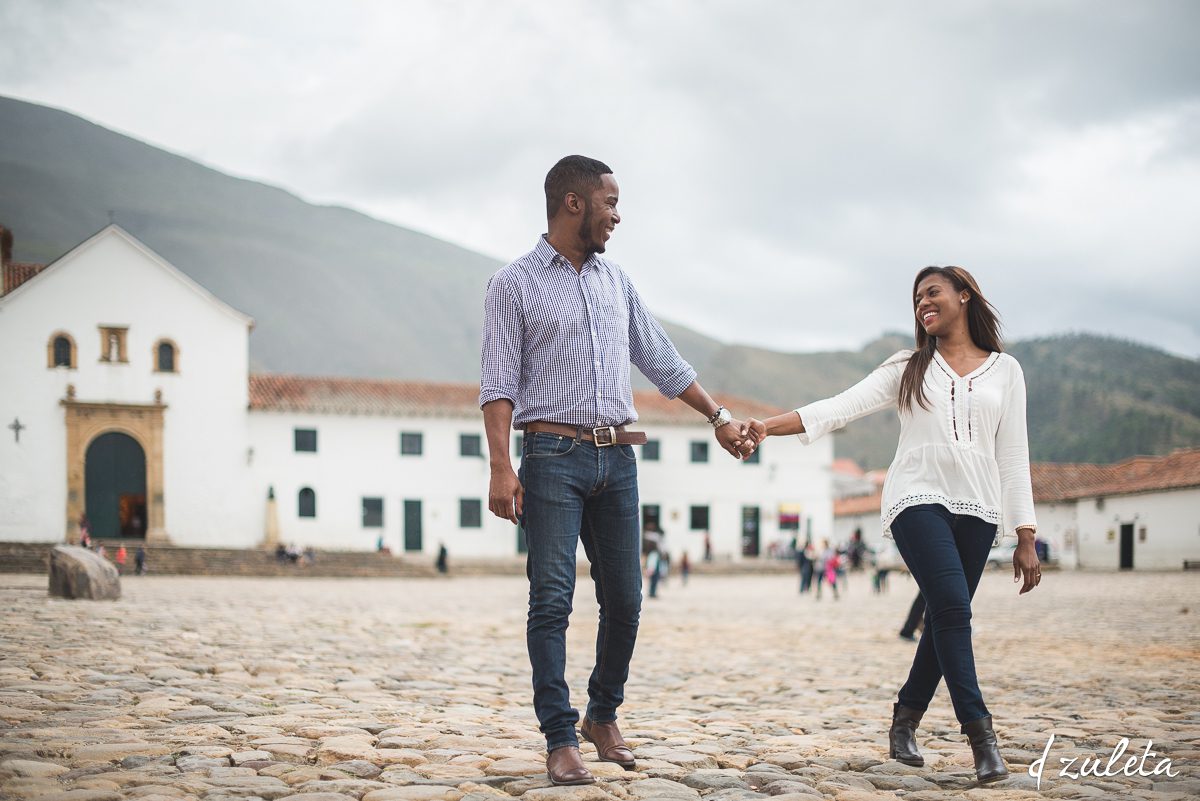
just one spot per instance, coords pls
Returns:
(958, 507)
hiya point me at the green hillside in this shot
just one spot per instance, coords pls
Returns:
(335, 292)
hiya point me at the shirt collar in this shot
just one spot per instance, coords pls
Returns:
(549, 256)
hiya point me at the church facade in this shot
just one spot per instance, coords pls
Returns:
(129, 407)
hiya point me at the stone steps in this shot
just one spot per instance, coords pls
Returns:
(182, 561)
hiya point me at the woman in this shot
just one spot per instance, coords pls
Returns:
(960, 481)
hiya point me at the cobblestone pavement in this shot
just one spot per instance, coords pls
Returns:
(194, 688)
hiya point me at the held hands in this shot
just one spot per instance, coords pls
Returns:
(755, 430)
(1026, 566)
(737, 439)
(506, 496)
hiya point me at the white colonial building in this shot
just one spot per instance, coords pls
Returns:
(1142, 513)
(127, 400)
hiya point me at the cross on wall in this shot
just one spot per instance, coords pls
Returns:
(17, 428)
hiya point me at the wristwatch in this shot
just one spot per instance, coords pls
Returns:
(720, 417)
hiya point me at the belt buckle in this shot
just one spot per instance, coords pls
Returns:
(612, 436)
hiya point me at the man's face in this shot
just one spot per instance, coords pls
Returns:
(600, 215)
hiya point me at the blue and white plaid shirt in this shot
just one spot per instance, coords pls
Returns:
(558, 344)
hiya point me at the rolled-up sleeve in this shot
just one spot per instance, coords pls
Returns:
(1012, 459)
(874, 393)
(503, 335)
(652, 351)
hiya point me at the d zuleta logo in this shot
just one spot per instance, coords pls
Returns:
(1097, 767)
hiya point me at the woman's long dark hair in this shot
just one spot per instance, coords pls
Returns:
(983, 325)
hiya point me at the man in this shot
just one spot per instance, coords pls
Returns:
(561, 327)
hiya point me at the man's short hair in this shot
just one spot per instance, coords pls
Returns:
(578, 174)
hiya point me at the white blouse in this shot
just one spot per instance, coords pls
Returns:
(968, 452)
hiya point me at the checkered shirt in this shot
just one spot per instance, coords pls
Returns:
(558, 343)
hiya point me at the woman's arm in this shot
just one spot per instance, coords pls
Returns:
(1016, 487)
(875, 392)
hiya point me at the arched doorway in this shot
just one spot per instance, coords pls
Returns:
(115, 486)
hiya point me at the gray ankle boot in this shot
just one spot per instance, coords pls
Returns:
(902, 738)
(989, 765)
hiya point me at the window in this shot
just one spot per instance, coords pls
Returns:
(61, 351)
(411, 443)
(372, 512)
(650, 451)
(307, 503)
(754, 458)
(699, 451)
(112, 344)
(165, 354)
(470, 513)
(470, 445)
(306, 440)
(699, 515)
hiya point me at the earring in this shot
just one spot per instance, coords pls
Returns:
(962, 300)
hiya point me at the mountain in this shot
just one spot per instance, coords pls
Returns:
(335, 292)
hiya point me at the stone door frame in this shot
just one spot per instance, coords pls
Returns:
(144, 423)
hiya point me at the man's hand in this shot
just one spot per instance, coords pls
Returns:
(506, 496)
(731, 439)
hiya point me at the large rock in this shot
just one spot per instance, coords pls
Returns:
(78, 573)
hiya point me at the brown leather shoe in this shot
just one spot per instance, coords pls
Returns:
(565, 766)
(610, 745)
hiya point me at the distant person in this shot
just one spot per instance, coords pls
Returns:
(831, 564)
(139, 561)
(85, 531)
(653, 570)
(708, 552)
(379, 544)
(561, 327)
(960, 481)
(122, 556)
(685, 568)
(805, 560)
(855, 550)
(916, 614)
(443, 557)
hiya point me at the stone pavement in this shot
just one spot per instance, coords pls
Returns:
(382, 690)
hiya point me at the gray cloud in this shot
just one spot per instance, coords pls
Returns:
(785, 168)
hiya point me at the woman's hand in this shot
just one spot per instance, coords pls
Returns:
(1026, 566)
(755, 430)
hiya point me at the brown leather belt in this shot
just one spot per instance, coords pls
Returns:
(602, 436)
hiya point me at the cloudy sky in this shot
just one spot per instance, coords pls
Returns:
(785, 167)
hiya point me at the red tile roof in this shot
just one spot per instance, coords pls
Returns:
(1062, 482)
(293, 393)
(847, 467)
(859, 505)
(18, 272)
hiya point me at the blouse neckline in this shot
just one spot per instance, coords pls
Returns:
(937, 354)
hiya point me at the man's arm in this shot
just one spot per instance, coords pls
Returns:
(506, 496)
(730, 435)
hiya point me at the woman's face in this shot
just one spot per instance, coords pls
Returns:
(939, 306)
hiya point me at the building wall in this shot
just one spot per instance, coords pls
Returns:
(1171, 520)
(112, 281)
(360, 457)
(1058, 525)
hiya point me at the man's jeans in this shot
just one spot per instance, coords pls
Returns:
(573, 491)
(946, 554)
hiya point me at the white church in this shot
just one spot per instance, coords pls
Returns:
(126, 400)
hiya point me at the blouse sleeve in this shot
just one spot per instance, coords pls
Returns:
(874, 393)
(1012, 457)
